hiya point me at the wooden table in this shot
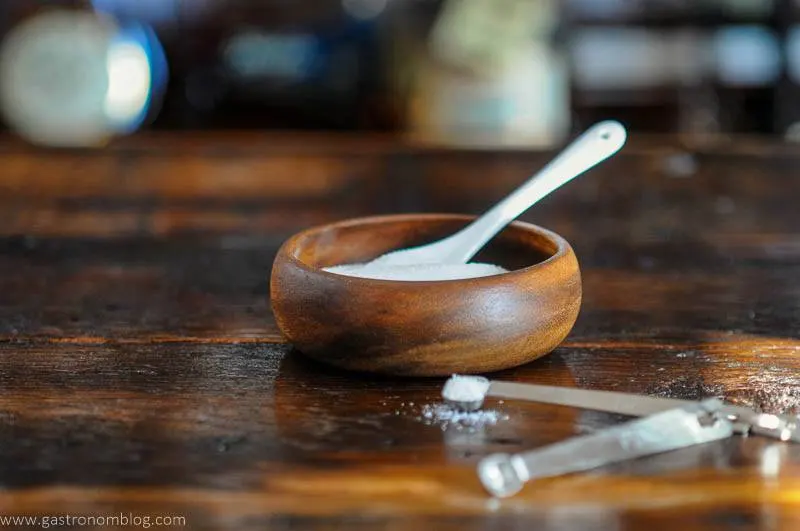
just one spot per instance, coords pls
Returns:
(142, 372)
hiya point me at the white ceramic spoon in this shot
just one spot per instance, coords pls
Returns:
(591, 148)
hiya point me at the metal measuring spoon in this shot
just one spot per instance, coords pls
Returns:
(465, 393)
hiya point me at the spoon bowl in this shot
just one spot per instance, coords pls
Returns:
(424, 328)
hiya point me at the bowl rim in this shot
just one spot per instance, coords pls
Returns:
(563, 249)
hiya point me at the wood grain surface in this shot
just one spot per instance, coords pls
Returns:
(142, 372)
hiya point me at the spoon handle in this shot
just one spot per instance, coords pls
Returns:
(592, 147)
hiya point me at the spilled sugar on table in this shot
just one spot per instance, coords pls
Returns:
(143, 374)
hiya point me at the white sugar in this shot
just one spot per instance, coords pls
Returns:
(446, 416)
(465, 388)
(418, 272)
(449, 417)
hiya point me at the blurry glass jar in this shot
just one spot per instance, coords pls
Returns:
(71, 78)
(492, 75)
(525, 105)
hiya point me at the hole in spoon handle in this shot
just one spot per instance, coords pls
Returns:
(612, 133)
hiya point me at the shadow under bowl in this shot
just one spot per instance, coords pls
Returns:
(424, 328)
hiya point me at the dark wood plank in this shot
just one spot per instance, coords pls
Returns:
(142, 370)
(234, 432)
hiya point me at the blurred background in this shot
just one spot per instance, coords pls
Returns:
(471, 72)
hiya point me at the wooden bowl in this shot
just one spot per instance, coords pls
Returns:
(424, 328)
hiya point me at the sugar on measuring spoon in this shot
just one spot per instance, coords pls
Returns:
(465, 388)
(417, 272)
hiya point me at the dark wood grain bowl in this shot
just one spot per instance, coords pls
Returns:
(424, 328)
